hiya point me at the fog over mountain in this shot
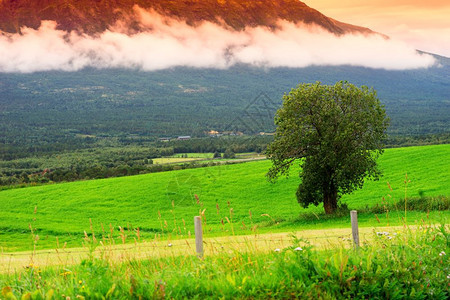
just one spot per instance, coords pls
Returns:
(155, 35)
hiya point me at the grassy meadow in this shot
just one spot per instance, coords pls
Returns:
(233, 198)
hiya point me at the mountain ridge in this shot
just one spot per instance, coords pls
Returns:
(92, 17)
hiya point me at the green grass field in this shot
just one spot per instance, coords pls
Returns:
(165, 202)
(200, 158)
(173, 160)
(194, 155)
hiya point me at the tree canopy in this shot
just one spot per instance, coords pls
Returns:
(335, 133)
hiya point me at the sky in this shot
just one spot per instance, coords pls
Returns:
(424, 24)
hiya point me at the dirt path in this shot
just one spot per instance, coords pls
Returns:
(16, 261)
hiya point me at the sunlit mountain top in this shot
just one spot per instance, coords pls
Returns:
(96, 16)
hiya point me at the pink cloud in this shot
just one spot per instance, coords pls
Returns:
(168, 43)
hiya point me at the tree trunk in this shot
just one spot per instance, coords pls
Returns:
(330, 202)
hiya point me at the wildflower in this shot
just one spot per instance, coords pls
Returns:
(277, 250)
(298, 249)
(80, 282)
(389, 237)
(383, 233)
(169, 245)
(442, 253)
(448, 276)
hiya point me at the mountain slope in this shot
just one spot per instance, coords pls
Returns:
(96, 16)
(41, 109)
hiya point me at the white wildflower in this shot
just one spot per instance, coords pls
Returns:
(298, 249)
(277, 250)
(442, 253)
(382, 233)
(169, 245)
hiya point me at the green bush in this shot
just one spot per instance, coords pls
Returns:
(438, 203)
(425, 204)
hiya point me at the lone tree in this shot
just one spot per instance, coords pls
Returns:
(336, 134)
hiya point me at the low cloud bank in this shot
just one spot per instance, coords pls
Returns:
(166, 43)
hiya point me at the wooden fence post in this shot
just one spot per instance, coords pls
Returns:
(198, 236)
(355, 231)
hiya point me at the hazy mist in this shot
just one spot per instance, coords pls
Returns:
(167, 43)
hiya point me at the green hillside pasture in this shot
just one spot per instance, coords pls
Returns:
(173, 160)
(193, 155)
(233, 197)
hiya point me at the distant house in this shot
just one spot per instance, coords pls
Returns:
(184, 137)
(232, 133)
(213, 133)
(164, 139)
(267, 133)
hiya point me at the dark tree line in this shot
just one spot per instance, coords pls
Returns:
(100, 162)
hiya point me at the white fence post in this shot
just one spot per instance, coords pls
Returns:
(355, 231)
(198, 236)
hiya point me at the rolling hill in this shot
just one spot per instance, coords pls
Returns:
(158, 203)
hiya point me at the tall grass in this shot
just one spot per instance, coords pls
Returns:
(395, 265)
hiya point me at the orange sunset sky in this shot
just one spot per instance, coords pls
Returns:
(424, 24)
